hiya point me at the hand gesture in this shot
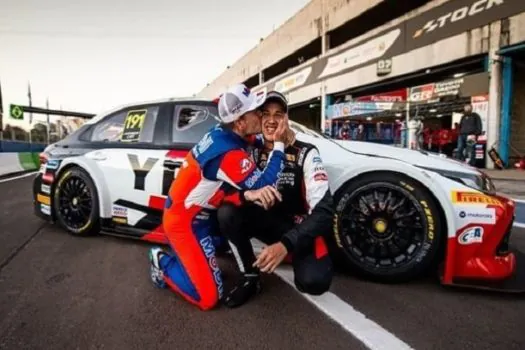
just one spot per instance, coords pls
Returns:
(264, 197)
(281, 133)
(271, 257)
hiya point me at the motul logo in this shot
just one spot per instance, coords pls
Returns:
(458, 15)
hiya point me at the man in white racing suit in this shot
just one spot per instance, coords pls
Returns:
(295, 224)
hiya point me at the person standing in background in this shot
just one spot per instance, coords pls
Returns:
(470, 128)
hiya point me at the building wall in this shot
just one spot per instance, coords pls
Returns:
(278, 45)
(463, 45)
(517, 129)
(298, 31)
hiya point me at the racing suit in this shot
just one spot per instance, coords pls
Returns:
(301, 221)
(215, 170)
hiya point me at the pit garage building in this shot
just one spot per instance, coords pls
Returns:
(381, 62)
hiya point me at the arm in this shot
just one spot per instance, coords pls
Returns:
(320, 203)
(238, 169)
(479, 125)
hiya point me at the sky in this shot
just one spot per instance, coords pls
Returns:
(91, 56)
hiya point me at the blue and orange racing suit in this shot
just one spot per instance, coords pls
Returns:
(218, 169)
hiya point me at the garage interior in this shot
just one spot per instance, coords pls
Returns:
(435, 115)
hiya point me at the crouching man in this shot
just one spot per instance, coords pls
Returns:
(295, 224)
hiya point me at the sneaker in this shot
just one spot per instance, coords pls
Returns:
(156, 274)
(248, 287)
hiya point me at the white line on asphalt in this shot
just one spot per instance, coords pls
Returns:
(18, 177)
(519, 224)
(367, 331)
(518, 200)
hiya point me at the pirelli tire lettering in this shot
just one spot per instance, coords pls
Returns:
(389, 226)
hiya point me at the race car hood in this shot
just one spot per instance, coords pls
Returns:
(423, 159)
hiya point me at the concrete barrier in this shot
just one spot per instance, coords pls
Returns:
(18, 162)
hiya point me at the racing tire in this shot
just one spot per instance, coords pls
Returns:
(382, 237)
(76, 204)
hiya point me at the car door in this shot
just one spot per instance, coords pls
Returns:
(130, 152)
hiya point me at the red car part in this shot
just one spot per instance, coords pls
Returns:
(487, 264)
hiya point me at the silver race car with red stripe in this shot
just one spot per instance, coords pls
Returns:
(399, 213)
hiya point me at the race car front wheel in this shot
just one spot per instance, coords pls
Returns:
(389, 227)
(75, 202)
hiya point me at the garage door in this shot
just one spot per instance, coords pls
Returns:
(517, 137)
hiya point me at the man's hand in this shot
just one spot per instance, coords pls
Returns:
(265, 196)
(281, 133)
(271, 257)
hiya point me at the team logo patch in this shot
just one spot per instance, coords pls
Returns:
(471, 235)
(246, 165)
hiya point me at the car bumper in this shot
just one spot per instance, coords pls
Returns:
(490, 259)
(42, 206)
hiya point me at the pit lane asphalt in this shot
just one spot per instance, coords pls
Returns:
(59, 291)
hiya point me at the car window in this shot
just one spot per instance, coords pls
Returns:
(129, 125)
(191, 122)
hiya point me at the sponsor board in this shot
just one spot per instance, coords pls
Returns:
(449, 19)
(476, 215)
(45, 189)
(390, 96)
(43, 199)
(474, 84)
(119, 211)
(45, 209)
(471, 235)
(463, 197)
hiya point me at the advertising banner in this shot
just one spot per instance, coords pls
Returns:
(350, 109)
(391, 96)
(447, 20)
(470, 85)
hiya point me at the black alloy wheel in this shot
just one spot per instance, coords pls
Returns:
(389, 227)
(76, 202)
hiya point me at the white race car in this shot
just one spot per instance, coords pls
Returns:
(399, 213)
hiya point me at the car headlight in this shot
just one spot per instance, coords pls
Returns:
(480, 182)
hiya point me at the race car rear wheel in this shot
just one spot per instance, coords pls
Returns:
(75, 202)
(389, 227)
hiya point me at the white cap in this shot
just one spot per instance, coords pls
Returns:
(238, 100)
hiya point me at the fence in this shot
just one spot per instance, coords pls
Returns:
(21, 146)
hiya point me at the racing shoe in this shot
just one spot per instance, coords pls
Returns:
(248, 287)
(156, 274)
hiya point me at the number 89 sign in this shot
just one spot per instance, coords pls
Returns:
(133, 126)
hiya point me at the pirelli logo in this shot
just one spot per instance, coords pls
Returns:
(474, 198)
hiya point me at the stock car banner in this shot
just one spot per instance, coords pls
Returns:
(447, 20)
